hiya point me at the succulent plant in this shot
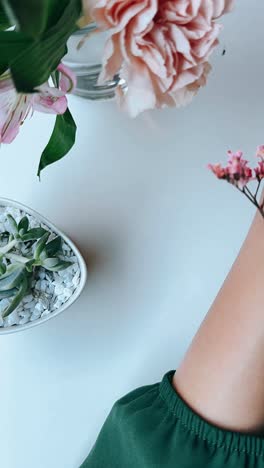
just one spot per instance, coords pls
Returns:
(17, 271)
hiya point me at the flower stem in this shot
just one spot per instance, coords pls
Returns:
(252, 199)
(250, 194)
(256, 193)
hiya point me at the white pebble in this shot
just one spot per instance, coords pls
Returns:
(27, 298)
(46, 312)
(34, 317)
(12, 319)
(29, 305)
(24, 314)
(76, 279)
(39, 307)
(58, 289)
(3, 304)
(23, 320)
(43, 285)
(38, 285)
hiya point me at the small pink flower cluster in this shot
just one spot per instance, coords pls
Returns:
(237, 171)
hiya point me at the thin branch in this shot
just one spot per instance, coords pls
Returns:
(256, 193)
(253, 200)
(246, 190)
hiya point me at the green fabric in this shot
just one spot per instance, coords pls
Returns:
(152, 427)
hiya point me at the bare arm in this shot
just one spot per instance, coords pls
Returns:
(222, 374)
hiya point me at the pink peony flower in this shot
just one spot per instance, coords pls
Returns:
(161, 48)
(15, 107)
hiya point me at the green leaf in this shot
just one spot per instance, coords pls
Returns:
(2, 268)
(4, 20)
(33, 234)
(50, 262)
(53, 246)
(12, 278)
(9, 293)
(12, 44)
(55, 264)
(55, 10)
(4, 235)
(29, 16)
(40, 245)
(29, 265)
(23, 288)
(23, 224)
(44, 55)
(13, 228)
(61, 140)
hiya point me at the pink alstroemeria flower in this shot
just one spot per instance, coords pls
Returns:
(15, 107)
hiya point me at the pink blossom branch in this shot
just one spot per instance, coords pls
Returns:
(239, 174)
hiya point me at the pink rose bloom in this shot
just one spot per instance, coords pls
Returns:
(15, 107)
(161, 48)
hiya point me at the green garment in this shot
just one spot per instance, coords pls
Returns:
(152, 427)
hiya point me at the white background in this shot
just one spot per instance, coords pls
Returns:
(159, 234)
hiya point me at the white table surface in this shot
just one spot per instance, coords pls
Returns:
(159, 234)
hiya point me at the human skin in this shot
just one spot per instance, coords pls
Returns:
(222, 374)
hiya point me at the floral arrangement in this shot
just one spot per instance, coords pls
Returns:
(160, 48)
(239, 174)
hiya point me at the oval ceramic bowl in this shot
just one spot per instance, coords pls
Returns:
(82, 265)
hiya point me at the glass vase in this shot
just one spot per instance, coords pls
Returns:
(85, 50)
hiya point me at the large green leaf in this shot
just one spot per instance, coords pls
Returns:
(55, 10)
(4, 20)
(33, 17)
(29, 16)
(12, 44)
(43, 55)
(61, 140)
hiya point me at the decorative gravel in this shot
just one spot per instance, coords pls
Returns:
(50, 290)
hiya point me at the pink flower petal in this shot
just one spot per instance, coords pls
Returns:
(67, 78)
(17, 114)
(140, 94)
(49, 104)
